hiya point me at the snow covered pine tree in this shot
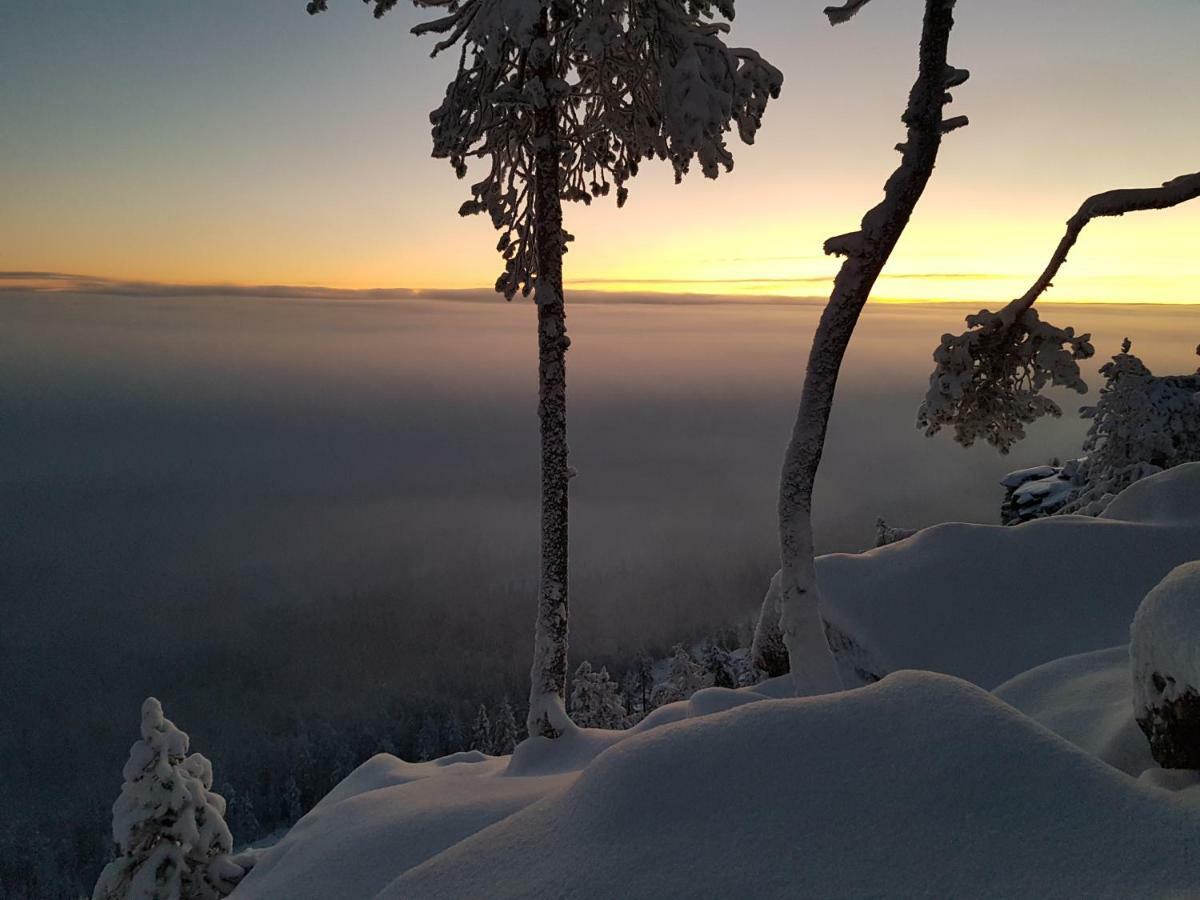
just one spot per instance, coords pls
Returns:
(168, 823)
(596, 699)
(564, 99)
(866, 252)
(481, 732)
(684, 678)
(504, 730)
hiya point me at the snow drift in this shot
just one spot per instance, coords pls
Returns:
(922, 785)
(1087, 700)
(986, 603)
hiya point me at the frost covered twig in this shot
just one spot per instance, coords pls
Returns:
(866, 252)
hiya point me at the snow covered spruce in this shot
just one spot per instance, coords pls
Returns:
(866, 252)
(168, 823)
(562, 100)
(1141, 424)
(1164, 652)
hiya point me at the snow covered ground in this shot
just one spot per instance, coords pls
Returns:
(986, 602)
(923, 785)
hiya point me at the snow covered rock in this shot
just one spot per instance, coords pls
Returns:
(1165, 653)
(986, 603)
(1036, 492)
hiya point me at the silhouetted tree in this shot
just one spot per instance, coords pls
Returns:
(481, 731)
(561, 100)
(504, 732)
(865, 252)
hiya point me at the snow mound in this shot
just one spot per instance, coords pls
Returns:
(384, 818)
(1165, 641)
(1169, 497)
(986, 603)
(922, 785)
(1088, 700)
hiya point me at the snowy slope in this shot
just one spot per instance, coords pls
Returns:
(986, 603)
(922, 785)
(1088, 700)
(835, 796)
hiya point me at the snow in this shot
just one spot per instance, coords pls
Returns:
(1088, 700)
(920, 785)
(1019, 477)
(986, 603)
(1163, 645)
(384, 818)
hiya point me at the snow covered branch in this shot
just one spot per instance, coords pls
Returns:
(988, 381)
(844, 13)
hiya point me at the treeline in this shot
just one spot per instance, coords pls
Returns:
(276, 757)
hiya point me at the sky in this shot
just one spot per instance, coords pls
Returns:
(248, 143)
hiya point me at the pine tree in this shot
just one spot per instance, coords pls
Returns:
(239, 814)
(452, 734)
(684, 678)
(168, 823)
(504, 732)
(718, 669)
(631, 696)
(429, 739)
(293, 805)
(1141, 424)
(596, 700)
(562, 100)
(643, 668)
(481, 732)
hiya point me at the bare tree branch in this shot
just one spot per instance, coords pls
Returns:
(1111, 203)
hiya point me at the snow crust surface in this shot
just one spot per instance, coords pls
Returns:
(986, 603)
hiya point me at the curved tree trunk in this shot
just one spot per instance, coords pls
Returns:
(547, 692)
(866, 252)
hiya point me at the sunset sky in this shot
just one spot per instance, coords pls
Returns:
(248, 143)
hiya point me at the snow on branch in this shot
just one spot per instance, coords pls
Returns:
(844, 13)
(988, 381)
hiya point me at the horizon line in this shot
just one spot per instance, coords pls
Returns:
(653, 292)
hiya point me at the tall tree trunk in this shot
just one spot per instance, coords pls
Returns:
(866, 252)
(547, 693)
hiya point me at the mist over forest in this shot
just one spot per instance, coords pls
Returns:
(271, 513)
